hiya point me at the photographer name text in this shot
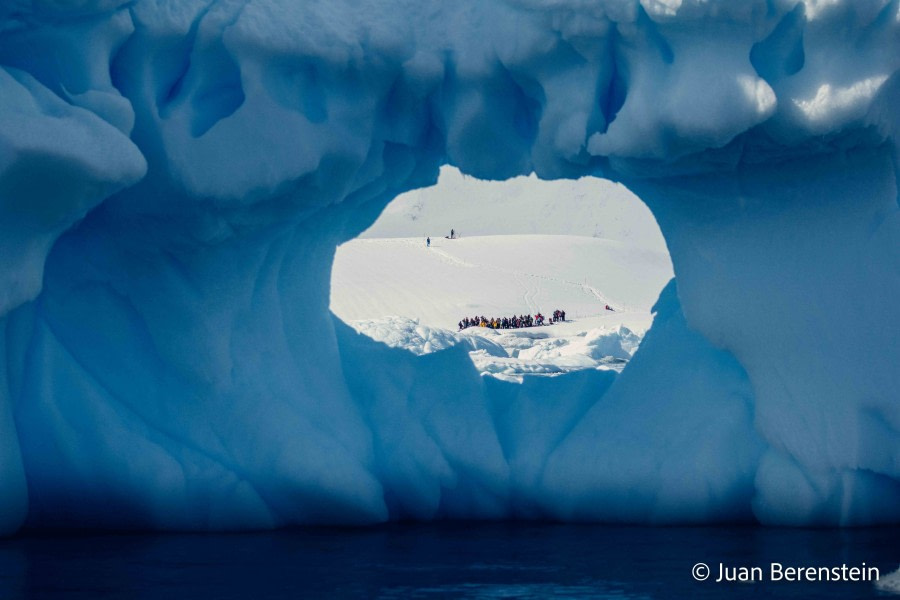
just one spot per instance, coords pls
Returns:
(722, 573)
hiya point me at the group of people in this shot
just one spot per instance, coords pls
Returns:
(513, 322)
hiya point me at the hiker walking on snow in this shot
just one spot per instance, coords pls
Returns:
(428, 242)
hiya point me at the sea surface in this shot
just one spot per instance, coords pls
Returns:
(469, 560)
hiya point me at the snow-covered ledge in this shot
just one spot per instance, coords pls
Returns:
(170, 360)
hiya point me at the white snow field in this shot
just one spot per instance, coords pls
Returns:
(587, 207)
(390, 286)
(498, 276)
(176, 176)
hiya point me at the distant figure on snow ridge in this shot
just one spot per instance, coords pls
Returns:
(452, 233)
(608, 307)
(428, 245)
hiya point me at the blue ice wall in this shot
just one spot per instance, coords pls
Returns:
(175, 177)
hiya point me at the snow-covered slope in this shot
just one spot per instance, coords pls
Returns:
(502, 276)
(175, 176)
(589, 206)
(496, 276)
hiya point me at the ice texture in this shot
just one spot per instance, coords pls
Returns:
(175, 176)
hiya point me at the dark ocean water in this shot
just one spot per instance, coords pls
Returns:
(477, 560)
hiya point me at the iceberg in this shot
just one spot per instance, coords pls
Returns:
(175, 176)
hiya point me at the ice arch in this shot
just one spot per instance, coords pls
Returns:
(169, 360)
